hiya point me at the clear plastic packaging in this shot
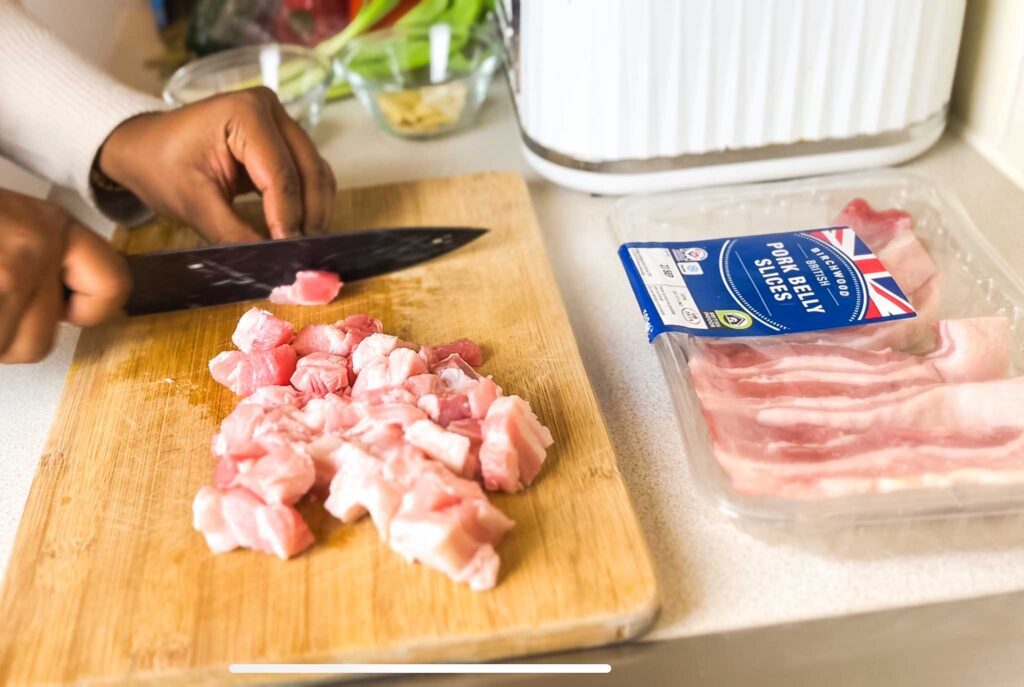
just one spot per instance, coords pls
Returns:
(923, 433)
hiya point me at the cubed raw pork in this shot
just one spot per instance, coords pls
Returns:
(464, 348)
(370, 423)
(449, 448)
(515, 445)
(374, 347)
(322, 338)
(245, 373)
(235, 438)
(311, 287)
(233, 518)
(391, 371)
(268, 397)
(260, 330)
(423, 511)
(283, 475)
(320, 374)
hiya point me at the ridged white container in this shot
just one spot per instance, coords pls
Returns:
(607, 81)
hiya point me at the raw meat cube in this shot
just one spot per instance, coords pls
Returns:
(268, 397)
(322, 451)
(259, 330)
(340, 413)
(232, 518)
(401, 414)
(449, 448)
(361, 323)
(455, 373)
(283, 475)
(360, 486)
(469, 427)
(445, 408)
(515, 445)
(235, 438)
(424, 512)
(244, 373)
(310, 288)
(422, 385)
(391, 371)
(386, 394)
(480, 396)
(464, 348)
(372, 348)
(322, 338)
(320, 374)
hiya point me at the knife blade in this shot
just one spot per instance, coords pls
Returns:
(181, 279)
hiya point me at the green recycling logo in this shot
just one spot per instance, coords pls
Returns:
(734, 319)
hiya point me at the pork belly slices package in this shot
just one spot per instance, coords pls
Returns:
(840, 350)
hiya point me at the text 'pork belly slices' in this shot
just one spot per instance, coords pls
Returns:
(235, 517)
(514, 445)
(423, 511)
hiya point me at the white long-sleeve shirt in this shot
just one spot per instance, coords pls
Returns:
(56, 109)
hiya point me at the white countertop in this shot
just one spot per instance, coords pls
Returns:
(713, 577)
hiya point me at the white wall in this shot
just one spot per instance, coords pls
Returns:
(988, 94)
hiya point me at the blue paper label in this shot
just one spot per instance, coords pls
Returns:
(800, 281)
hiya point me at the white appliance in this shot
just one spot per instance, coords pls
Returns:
(627, 96)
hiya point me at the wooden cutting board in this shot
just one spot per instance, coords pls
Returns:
(108, 581)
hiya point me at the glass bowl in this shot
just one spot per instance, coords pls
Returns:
(298, 76)
(422, 82)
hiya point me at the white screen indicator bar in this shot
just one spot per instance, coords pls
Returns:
(420, 668)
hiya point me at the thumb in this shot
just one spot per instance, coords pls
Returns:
(214, 217)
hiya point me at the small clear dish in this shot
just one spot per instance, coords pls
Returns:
(422, 82)
(298, 76)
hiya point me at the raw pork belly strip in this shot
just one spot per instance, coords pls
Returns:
(967, 350)
(372, 424)
(890, 236)
(910, 404)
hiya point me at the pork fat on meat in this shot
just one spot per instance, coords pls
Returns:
(370, 424)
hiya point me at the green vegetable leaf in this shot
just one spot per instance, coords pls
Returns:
(368, 16)
(424, 13)
(462, 13)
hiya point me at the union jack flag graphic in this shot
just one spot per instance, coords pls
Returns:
(885, 297)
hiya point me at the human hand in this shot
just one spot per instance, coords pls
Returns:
(190, 163)
(42, 250)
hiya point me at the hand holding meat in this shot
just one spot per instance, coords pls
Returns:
(42, 249)
(190, 163)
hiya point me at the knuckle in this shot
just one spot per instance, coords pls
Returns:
(256, 97)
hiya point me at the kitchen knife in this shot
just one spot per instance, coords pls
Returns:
(176, 280)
